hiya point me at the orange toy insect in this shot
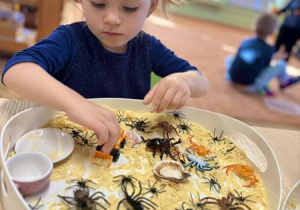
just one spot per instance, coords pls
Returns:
(199, 149)
(245, 171)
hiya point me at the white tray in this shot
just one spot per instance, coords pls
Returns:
(36, 117)
(292, 197)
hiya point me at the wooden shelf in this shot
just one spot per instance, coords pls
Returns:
(48, 18)
(11, 46)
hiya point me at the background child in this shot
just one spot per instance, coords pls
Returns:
(289, 32)
(256, 63)
(106, 56)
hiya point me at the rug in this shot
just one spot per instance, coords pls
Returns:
(206, 45)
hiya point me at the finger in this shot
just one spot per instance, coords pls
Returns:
(157, 101)
(101, 133)
(183, 101)
(167, 99)
(112, 140)
(149, 97)
(176, 101)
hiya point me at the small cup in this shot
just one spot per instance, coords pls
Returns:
(30, 171)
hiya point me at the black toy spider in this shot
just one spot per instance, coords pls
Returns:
(81, 183)
(184, 128)
(135, 200)
(139, 125)
(213, 183)
(241, 198)
(124, 180)
(217, 138)
(199, 204)
(36, 206)
(83, 200)
(84, 141)
(177, 115)
(183, 208)
(152, 189)
(75, 133)
(120, 116)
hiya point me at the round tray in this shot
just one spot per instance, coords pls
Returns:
(37, 117)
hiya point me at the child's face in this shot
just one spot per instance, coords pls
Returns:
(115, 22)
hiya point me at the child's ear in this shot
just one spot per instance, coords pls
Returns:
(152, 7)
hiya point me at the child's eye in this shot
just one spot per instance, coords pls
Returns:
(130, 9)
(97, 5)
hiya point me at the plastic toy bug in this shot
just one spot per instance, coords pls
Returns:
(199, 204)
(166, 128)
(217, 139)
(227, 203)
(213, 183)
(240, 197)
(36, 206)
(125, 180)
(120, 117)
(135, 200)
(83, 200)
(81, 183)
(139, 124)
(184, 128)
(163, 145)
(177, 115)
(152, 189)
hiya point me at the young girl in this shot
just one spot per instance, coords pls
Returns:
(106, 56)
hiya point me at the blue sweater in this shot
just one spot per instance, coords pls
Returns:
(75, 57)
(253, 56)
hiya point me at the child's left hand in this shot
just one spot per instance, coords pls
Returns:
(170, 92)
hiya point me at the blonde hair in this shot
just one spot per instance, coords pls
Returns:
(266, 25)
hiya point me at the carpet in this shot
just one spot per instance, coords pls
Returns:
(206, 45)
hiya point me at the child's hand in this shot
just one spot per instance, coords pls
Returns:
(170, 92)
(101, 120)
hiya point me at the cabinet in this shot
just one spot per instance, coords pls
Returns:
(48, 18)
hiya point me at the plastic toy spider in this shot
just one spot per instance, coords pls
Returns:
(139, 125)
(199, 204)
(177, 115)
(183, 208)
(184, 128)
(241, 198)
(213, 183)
(75, 133)
(152, 189)
(124, 180)
(36, 206)
(81, 183)
(83, 200)
(215, 138)
(85, 141)
(120, 116)
(166, 128)
(135, 200)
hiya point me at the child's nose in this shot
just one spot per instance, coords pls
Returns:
(112, 17)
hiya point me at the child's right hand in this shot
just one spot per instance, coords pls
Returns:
(99, 119)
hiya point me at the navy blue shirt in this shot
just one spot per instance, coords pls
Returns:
(74, 56)
(291, 20)
(253, 56)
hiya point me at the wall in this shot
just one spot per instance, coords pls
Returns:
(237, 13)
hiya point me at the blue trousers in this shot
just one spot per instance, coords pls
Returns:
(276, 69)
